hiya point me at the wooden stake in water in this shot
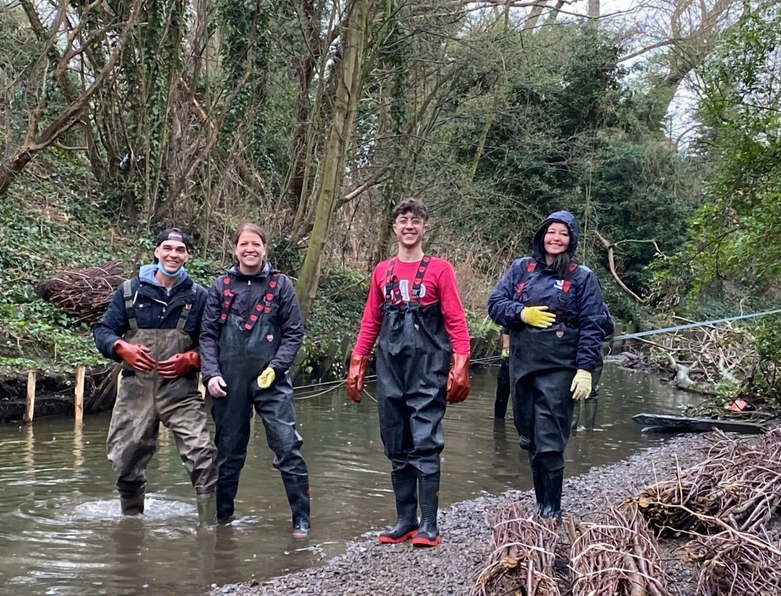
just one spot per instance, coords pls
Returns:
(29, 409)
(78, 398)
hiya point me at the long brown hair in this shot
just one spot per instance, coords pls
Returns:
(249, 227)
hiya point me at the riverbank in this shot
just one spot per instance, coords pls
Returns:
(368, 568)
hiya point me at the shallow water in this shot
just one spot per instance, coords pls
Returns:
(62, 533)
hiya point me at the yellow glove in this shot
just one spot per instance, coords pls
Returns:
(581, 385)
(505, 353)
(266, 378)
(537, 317)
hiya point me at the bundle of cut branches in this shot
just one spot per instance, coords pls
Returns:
(736, 563)
(615, 555)
(523, 549)
(738, 483)
(83, 293)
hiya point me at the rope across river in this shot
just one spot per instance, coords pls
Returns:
(321, 389)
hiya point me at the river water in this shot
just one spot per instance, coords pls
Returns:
(61, 531)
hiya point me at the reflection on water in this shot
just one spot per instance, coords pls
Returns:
(61, 530)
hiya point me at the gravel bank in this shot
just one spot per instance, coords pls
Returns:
(370, 569)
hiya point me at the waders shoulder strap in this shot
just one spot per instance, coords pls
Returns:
(392, 292)
(184, 314)
(566, 283)
(415, 294)
(127, 293)
(227, 298)
(264, 307)
(531, 266)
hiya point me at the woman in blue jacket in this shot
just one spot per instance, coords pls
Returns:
(553, 309)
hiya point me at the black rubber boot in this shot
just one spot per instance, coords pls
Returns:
(552, 483)
(591, 413)
(405, 489)
(428, 496)
(539, 491)
(297, 490)
(132, 505)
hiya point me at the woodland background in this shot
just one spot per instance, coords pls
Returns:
(657, 123)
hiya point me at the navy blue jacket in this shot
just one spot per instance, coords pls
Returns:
(584, 308)
(155, 308)
(249, 291)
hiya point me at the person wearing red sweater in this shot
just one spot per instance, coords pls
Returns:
(414, 309)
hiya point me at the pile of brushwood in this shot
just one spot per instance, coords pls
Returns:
(523, 550)
(612, 554)
(724, 507)
(83, 293)
(615, 553)
(727, 505)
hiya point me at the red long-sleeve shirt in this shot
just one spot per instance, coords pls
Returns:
(439, 285)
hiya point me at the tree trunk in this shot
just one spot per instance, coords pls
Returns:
(12, 167)
(593, 10)
(307, 63)
(346, 102)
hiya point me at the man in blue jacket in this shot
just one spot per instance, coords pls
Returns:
(152, 327)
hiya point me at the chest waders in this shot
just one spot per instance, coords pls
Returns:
(247, 346)
(144, 400)
(413, 360)
(542, 366)
(502, 390)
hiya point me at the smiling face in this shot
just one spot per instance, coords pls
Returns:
(250, 250)
(556, 241)
(409, 229)
(172, 255)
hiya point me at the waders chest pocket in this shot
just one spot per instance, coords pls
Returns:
(128, 372)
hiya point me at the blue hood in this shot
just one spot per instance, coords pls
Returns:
(564, 217)
(147, 274)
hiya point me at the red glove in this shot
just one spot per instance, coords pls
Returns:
(355, 377)
(178, 365)
(135, 355)
(458, 379)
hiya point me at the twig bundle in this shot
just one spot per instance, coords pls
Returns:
(616, 555)
(737, 483)
(523, 549)
(736, 563)
(83, 293)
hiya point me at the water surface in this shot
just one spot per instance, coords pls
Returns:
(62, 533)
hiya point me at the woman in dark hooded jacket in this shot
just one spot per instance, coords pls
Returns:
(250, 334)
(554, 311)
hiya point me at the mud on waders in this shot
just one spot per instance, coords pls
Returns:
(542, 363)
(144, 400)
(246, 347)
(413, 361)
